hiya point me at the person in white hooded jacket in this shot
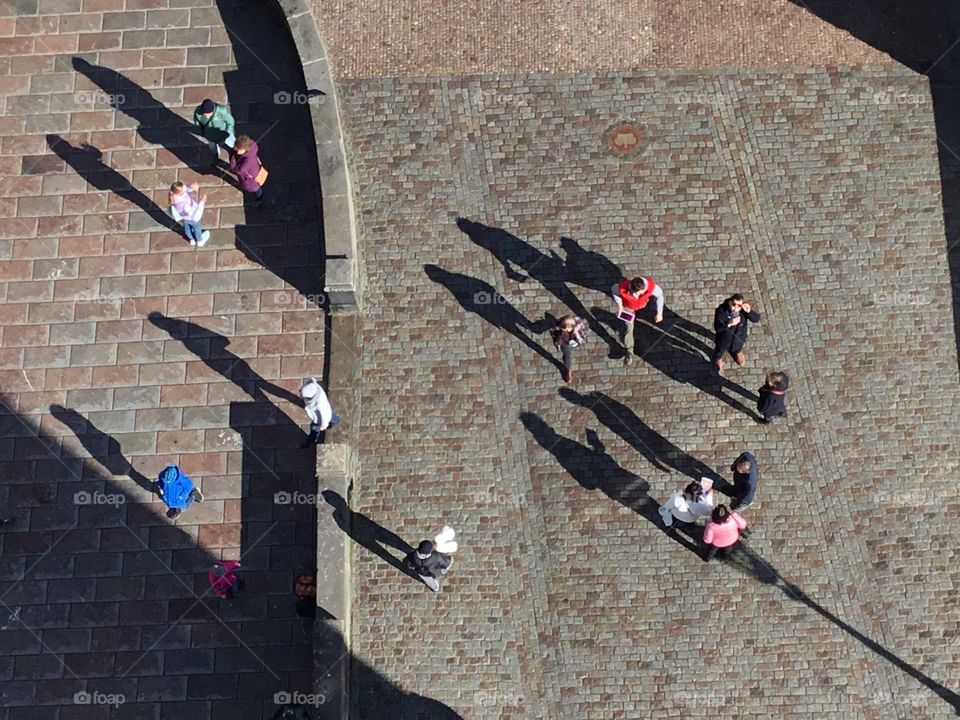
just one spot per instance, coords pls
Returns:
(688, 506)
(318, 409)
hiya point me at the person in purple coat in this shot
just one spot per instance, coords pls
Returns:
(245, 164)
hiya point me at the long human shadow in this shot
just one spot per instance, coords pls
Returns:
(595, 469)
(103, 447)
(285, 234)
(658, 451)
(675, 359)
(595, 271)
(480, 298)
(746, 560)
(926, 39)
(156, 123)
(547, 269)
(367, 533)
(211, 348)
(86, 160)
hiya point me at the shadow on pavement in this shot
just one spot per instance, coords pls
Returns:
(86, 161)
(482, 299)
(659, 452)
(746, 560)
(367, 533)
(925, 38)
(594, 469)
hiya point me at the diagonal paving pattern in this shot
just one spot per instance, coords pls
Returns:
(799, 189)
(123, 349)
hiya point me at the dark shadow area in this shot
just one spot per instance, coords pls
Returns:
(269, 99)
(115, 599)
(482, 299)
(658, 451)
(744, 559)
(102, 447)
(211, 348)
(548, 270)
(87, 162)
(156, 123)
(925, 38)
(367, 533)
(594, 469)
(674, 358)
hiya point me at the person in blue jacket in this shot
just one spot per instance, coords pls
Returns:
(176, 490)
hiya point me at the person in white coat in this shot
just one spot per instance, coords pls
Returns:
(689, 506)
(318, 409)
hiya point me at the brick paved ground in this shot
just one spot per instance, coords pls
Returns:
(148, 352)
(414, 38)
(813, 192)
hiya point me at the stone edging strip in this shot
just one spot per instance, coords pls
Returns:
(341, 254)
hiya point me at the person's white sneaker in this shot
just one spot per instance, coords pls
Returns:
(204, 236)
(191, 241)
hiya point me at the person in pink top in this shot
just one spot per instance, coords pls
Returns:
(223, 581)
(188, 211)
(723, 531)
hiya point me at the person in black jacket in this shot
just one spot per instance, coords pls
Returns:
(428, 564)
(730, 325)
(746, 477)
(772, 396)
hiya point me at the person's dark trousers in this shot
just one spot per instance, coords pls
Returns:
(744, 497)
(728, 343)
(689, 528)
(722, 552)
(567, 353)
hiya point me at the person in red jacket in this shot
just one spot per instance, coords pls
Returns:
(223, 581)
(245, 164)
(631, 297)
(723, 531)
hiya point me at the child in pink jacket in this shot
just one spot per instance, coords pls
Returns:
(723, 531)
(223, 580)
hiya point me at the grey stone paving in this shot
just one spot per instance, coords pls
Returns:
(109, 599)
(814, 194)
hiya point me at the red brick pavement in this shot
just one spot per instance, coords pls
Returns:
(158, 352)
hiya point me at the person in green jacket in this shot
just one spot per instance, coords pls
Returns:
(215, 124)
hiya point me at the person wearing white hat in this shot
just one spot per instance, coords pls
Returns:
(318, 409)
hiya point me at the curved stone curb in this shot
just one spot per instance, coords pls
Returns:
(342, 278)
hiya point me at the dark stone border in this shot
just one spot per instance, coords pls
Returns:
(342, 271)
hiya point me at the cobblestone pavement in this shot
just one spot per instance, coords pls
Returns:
(123, 349)
(420, 38)
(816, 194)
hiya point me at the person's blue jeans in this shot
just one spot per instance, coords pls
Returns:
(316, 432)
(192, 229)
(215, 146)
